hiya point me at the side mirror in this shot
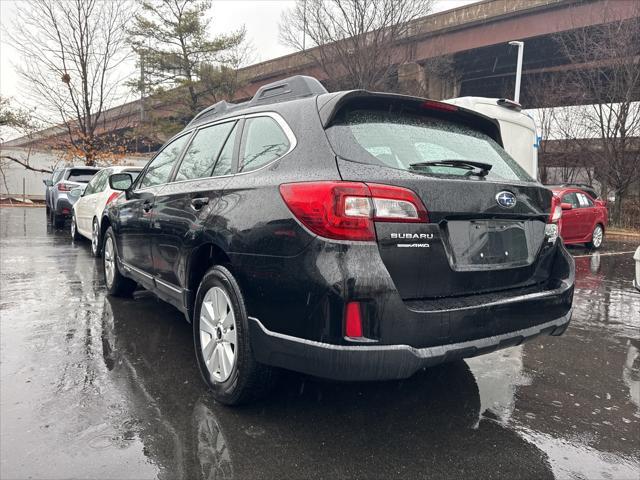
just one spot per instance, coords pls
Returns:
(120, 181)
(48, 182)
(566, 206)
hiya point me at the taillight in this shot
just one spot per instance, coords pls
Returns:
(65, 187)
(552, 228)
(348, 210)
(556, 210)
(112, 197)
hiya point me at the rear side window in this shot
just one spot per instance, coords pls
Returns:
(159, 169)
(262, 142)
(571, 198)
(201, 156)
(398, 140)
(81, 175)
(585, 201)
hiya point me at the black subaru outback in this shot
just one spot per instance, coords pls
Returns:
(349, 235)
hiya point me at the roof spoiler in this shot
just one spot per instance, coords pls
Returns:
(330, 105)
(510, 104)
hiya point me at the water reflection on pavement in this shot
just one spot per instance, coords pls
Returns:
(97, 387)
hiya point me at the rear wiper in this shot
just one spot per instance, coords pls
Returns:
(475, 168)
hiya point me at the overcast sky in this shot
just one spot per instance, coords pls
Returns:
(260, 17)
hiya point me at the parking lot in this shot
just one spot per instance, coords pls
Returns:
(99, 387)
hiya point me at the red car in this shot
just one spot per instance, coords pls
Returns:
(584, 219)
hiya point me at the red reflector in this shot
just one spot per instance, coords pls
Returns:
(444, 107)
(66, 211)
(353, 320)
(112, 197)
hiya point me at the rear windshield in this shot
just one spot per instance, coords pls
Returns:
(398, 140)
(81, 175)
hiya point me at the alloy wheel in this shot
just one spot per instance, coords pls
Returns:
(597, 236)
(109, 261)
(94, 238)
(218, 339)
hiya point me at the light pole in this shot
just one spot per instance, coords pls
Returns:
(518, 68)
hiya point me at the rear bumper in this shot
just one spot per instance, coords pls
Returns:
(63, 207)
(378, 362)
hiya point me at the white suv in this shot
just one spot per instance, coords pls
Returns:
(86, 220)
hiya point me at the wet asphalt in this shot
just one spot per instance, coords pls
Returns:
(99, 387)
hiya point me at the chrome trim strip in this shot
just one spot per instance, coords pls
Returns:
(422, 353)
(168, 285)
(293, 142)
(137, 270)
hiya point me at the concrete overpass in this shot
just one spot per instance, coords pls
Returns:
(472, 39)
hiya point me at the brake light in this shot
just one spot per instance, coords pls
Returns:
(112, 197)
(353, 320)
(443, 107)
(348, 210)
(65, 187)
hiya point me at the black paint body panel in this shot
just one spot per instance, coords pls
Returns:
(297, 284)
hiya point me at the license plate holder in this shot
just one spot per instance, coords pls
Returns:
(488, 244)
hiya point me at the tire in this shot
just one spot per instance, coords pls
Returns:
(75, 236)
(117, 284)
(236, 380)
(597, 237)
(96, 241)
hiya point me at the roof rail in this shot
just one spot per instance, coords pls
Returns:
(215, 109)
(298, 86)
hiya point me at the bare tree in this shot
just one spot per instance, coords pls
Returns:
(607, 81)
(354, 42)
(70, 52)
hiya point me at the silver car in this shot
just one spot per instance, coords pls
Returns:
(59, 199)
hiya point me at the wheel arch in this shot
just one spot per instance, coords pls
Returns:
(104, 224)
(200, 261)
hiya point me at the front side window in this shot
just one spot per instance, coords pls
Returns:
(102, 181)
(404, 141)
(201, 156)
(91, 186)
(263, 141)
(159, 169)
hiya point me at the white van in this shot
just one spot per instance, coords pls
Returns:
(518, 129)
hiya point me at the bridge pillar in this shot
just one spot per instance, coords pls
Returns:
(436, 80)
(411, 79)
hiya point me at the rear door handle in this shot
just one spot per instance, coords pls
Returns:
(198, 203)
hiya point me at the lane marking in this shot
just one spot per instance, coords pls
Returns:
(604, 254)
